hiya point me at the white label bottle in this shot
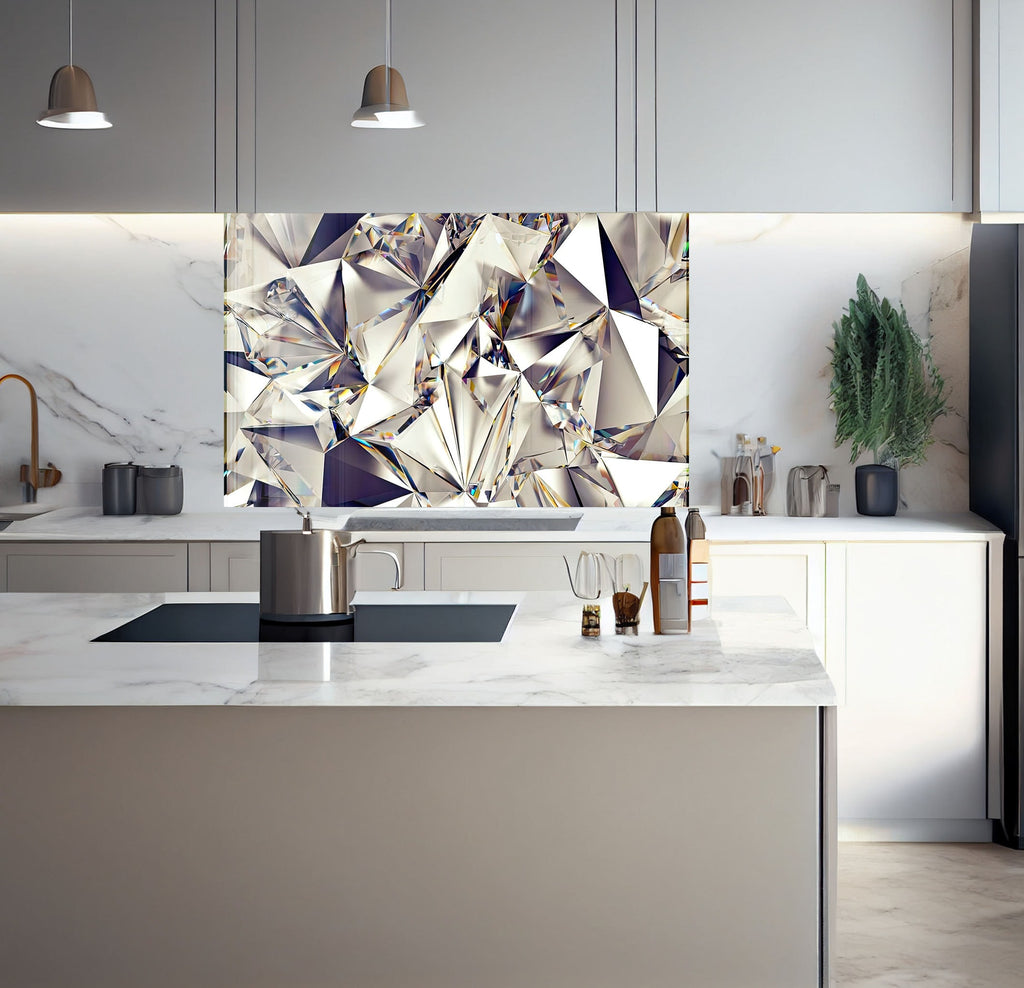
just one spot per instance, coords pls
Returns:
(668, 574)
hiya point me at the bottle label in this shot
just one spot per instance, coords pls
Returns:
(672, 599)
(672, 567)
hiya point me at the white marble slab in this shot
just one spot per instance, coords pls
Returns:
(244, 525)
(118, 321)
(752, 653)
(765, 290)
(595, 525)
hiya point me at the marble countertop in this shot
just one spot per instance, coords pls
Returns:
(752, 652)
(504, 525)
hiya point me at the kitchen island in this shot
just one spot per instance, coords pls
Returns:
(544, 810)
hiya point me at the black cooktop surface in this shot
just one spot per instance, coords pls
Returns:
(235, 622)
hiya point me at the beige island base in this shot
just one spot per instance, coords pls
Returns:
(539, 811)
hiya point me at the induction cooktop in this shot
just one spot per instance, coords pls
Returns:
(240, 622)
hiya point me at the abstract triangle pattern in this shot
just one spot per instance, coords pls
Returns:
(425, 359)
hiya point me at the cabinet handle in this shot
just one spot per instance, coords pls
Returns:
(952, 101)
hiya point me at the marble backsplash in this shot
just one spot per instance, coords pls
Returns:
(765, 290)
(117, 320)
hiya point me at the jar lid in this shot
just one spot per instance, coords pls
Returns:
(161, 471)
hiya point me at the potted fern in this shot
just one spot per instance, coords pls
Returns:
(886, 393)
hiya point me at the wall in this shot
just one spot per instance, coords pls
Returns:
(117, 320)
(765, 290)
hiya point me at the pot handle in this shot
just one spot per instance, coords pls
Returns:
(377, 552)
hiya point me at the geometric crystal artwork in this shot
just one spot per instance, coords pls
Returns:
(536, 359)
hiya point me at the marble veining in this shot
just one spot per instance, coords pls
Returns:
(750, 654)
(937, 306)
(117, 324)
(766, 290)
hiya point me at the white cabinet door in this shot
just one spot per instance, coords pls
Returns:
(101, 567)
(153, 69)
(377, 572)
(513, 565)
(518, 99)
(235, 566)
(793, 571)
(1001, 105)
(911, 735)
(804, 106)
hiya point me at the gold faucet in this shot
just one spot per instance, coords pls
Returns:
(31, 477)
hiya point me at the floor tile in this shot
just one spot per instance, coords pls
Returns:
(942, 915)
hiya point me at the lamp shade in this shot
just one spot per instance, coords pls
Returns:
(72, 103)
(376, 110)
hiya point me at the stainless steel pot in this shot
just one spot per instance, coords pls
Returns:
(308, 574)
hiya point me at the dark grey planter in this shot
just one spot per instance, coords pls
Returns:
(878, 489)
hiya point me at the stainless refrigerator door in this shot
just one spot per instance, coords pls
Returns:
(994, 419)
(1008, 830)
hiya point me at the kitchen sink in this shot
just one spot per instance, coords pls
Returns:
(19, 512)
(240, 622)
(477, 520)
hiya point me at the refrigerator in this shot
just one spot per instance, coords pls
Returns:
(996, 423)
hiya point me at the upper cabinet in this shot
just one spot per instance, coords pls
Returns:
(804, 106)
(153, 69)
(519, 101)
(794, 105)
(999, 106)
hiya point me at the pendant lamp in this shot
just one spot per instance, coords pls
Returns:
(385, 102)
(72, 104)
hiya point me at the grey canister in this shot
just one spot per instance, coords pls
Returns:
(161, 490)
(119, 481)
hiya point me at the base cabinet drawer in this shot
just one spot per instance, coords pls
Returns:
(513, 565)
(95, 567)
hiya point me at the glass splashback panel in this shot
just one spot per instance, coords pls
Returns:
(456, 359)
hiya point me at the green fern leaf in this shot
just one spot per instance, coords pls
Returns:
(885, 390)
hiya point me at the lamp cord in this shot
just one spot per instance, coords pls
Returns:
(387, 52)
(71, 32)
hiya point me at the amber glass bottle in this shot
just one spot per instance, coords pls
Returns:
(668, 573)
